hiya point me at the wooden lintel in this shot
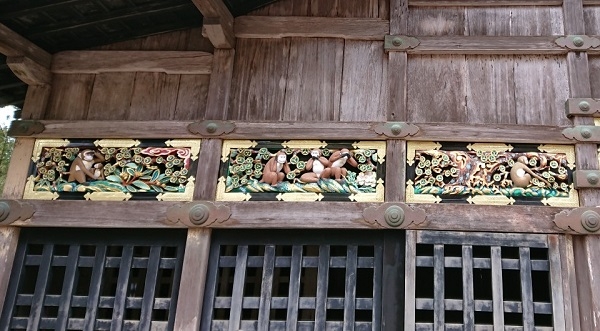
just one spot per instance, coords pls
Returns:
(218, 32)
(300, 130)
(29, 71)
(297, 215)
(492, 45)
(484, 3)
(315, 27)
(13, 44)
(95, 62)
(591, 2)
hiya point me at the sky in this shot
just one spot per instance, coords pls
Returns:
(6, 115)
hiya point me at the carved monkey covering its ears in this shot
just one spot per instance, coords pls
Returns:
(318, 164)
(338, 159)
(275, 169)
(86, 165)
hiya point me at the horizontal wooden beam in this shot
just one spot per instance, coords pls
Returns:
(13, 44)
(591, 2)
(484, 45)
(29, 71)
(483, 3)
(297, 215)
(310, 27)
(170, 62)
(300, 130)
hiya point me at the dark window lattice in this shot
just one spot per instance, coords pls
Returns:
(80, 279)
(294, 281)
(483, 281)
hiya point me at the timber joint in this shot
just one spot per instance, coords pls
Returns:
(14, 210)
(394, 215)
(197, 214)
(396, 129)
(211, 128)
(400, 43)
(583, 220)
(578, 42)
(24, 128)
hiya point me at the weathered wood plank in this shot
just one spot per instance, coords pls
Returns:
(587, 261)
(266, 288)
(150, 289)
(350, 289)
(9, 237)
(594, 67)
(314, 80)
(301, 130)
(258, 84)
(324, 8)
(36, 102)
(13, 44)
(397, 86)
(169, 62)
(208, 169)
(395, 159)
(322, 286)
(526, 288)
(237, 293)
(219, 31)
(29, 71)
(150, 214)
(68, 288)
(560, 302)
(111, 96)
(484, 3)
(365, 8)
(573, 14)
(567, 266)
(591, 18)
(511, 21)
(121, 289)
(217, 99)
(497, 295)
(425, 21)
(311, 27)
(93, 298)
(468, 297)
(17, 173)
(191, 97)
(154, 96)
(438, 287)
(410, 278)
(41, 283)
(364, 85)
(293, 303)
(193, 279)
(491, 45)
(399, 16)
(70, 98)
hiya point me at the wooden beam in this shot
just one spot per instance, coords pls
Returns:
(217, 22)
(8, 245)
(217, 101)
(483, 3)
(512, 133)
(193, 279)
(29, 71)
(298, 215)
(95, 62)
(13, 44)
(310, 27)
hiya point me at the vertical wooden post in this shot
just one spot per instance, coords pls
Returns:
(193, 280)
(8, 246)
(586, 249)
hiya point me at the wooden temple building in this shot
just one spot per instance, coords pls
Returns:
(301, 165)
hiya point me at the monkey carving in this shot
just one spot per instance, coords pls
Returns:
(319, 166)
(275, 169)
(338, 159)
(520, 174)
(86, 165)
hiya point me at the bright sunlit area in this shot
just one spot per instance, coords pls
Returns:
(6, 142)
(6, 115)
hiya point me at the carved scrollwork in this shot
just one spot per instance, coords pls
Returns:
(13, 210)
(198, 214)
(584, 220)
(394, 215)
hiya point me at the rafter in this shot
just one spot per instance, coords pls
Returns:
(218, 22)
(26, 60)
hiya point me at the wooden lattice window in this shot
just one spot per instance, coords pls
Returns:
(483, 281)
(80, 279)
(295, 281)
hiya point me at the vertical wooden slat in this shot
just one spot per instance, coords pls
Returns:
(526, 288)
(9, 237)
(12, 287)
(409, 280)
(497, 295)
(237, 297)
(121, 290)
(397, 80)
(193, 280)
(558, 299)
(573, 17)
(149, 288)
(389, 282)
(394, 181)
(571, 304)
(217, 101)
(89, 323)
(438, 287)
(294, 293)
(37, 302)
(350, 293)
(467, 285)
(322, 283)
(266, 288)
(62, 318)
(18, 169)
(208, 173)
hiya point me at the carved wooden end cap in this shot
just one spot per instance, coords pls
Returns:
(13, 210)
(583, 220)
(394, 216)
(211, 128)
(197, 214)
(25, 128)
(396, 129)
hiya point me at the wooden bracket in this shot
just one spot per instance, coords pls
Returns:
(578, 42)
(14, 210)
(24, 128)
(582, 107)
(396, 129)
(587, 133)
(583, 220)
(219, 32)
(197, 214)
(211, 128)
(394, 215)
(400, 43)
(586, 178)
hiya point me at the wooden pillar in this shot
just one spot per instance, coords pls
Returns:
(586, 249)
